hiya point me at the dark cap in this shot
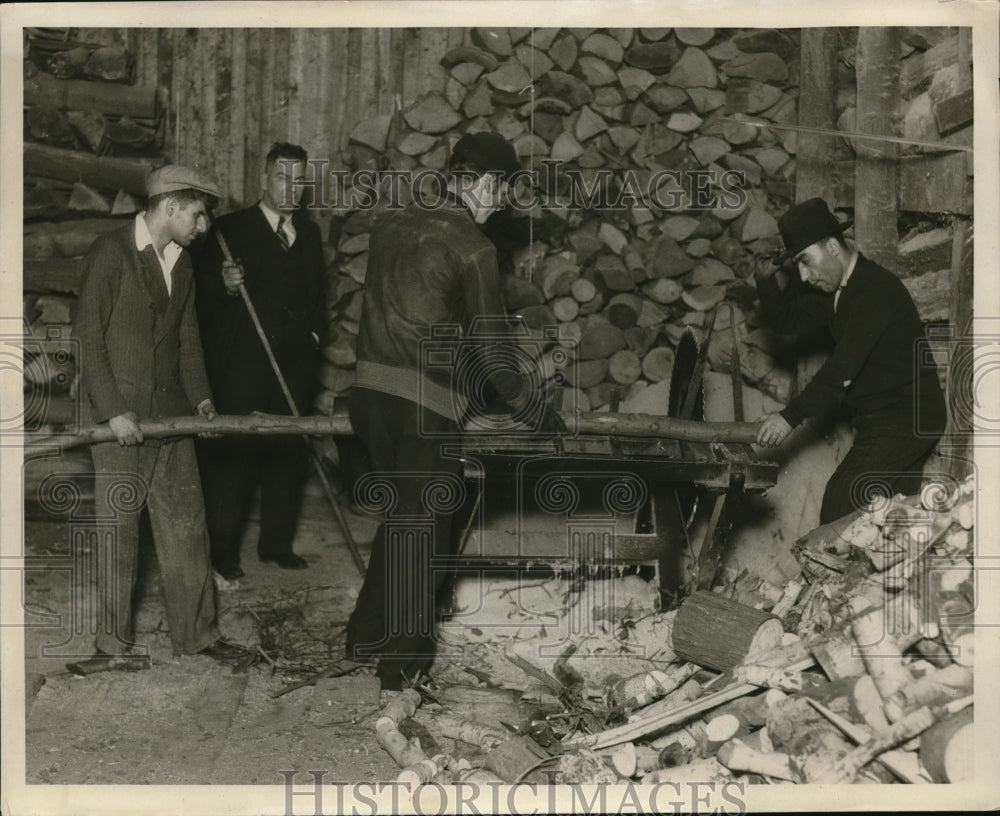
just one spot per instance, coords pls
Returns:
(805, 224)
(489, 151)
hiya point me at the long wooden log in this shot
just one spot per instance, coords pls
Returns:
(100, 172)
(139, 101)
(53, 275)
(273, 424)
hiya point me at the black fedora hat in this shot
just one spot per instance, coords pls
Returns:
(805, 224)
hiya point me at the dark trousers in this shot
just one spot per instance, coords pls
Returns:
(162, 477)
(232, 468)
(887, 458)
(415, 489)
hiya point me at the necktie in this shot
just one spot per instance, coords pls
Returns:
(282, 235)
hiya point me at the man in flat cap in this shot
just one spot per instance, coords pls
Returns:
(141, 358)
(427, 269)
(876, 367)
(278, 257)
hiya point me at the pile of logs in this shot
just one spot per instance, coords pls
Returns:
(620, 285)
(90, 139)
(861, 672)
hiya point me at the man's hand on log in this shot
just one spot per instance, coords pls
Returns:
(125, 427)
(773, 430)
(232, 276)
(207, 410)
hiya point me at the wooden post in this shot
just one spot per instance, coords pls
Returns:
(817, 108)
(876, 227)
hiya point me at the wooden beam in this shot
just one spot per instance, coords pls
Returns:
(876, 215)
(272, 424)
(817, 108)
(137, 101)
(99, 172)
(60, 275)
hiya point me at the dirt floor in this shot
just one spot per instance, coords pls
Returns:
(190, 719)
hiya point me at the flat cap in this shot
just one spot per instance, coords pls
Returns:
(174, 177)
(490, 151)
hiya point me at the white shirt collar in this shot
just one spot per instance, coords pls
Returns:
(274, 217)
(171, 252)
(850, 269)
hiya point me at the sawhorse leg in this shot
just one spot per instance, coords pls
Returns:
(719, 524)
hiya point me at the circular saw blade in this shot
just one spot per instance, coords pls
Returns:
(681, 375)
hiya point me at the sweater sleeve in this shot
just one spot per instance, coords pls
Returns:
(98, 289)
(866, 319)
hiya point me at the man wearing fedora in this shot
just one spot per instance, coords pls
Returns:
(427, 268)
(876, 367)
(141, 358)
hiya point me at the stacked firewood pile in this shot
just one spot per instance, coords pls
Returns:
(858, 672)
(91, 137)
(621, 284)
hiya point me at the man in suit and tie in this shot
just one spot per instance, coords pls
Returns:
(877, 368)
(279, 259)
(141, 357)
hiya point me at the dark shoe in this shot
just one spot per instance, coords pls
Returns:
(102, 662)
(289, 561)
(230, 572)
(224, 651)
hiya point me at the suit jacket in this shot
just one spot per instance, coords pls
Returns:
(139, 347)
(286, 289)
(879, 362)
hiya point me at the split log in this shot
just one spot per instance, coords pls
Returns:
(600, 342)
(100, 172)
(719, 633)
(658, 363)
(936, 688)
(624, 367)
(583, 290)
(880, 652)
(565, 309)
(484, 736)
(405, 752)
(86, 199)
(125, 204)
(641, 689)
(740, 757)
(701, 771)
(623, 310)
(50, 126)
(947, 748)
(718, 731)
(912, 725)
(64, 239)
(685, 693)
(91, 127)
(139, 101)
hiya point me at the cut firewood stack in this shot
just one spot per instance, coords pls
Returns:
(619, 283)
(859, 675)
(91, 136)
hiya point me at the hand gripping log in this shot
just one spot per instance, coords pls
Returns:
(313, 455)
